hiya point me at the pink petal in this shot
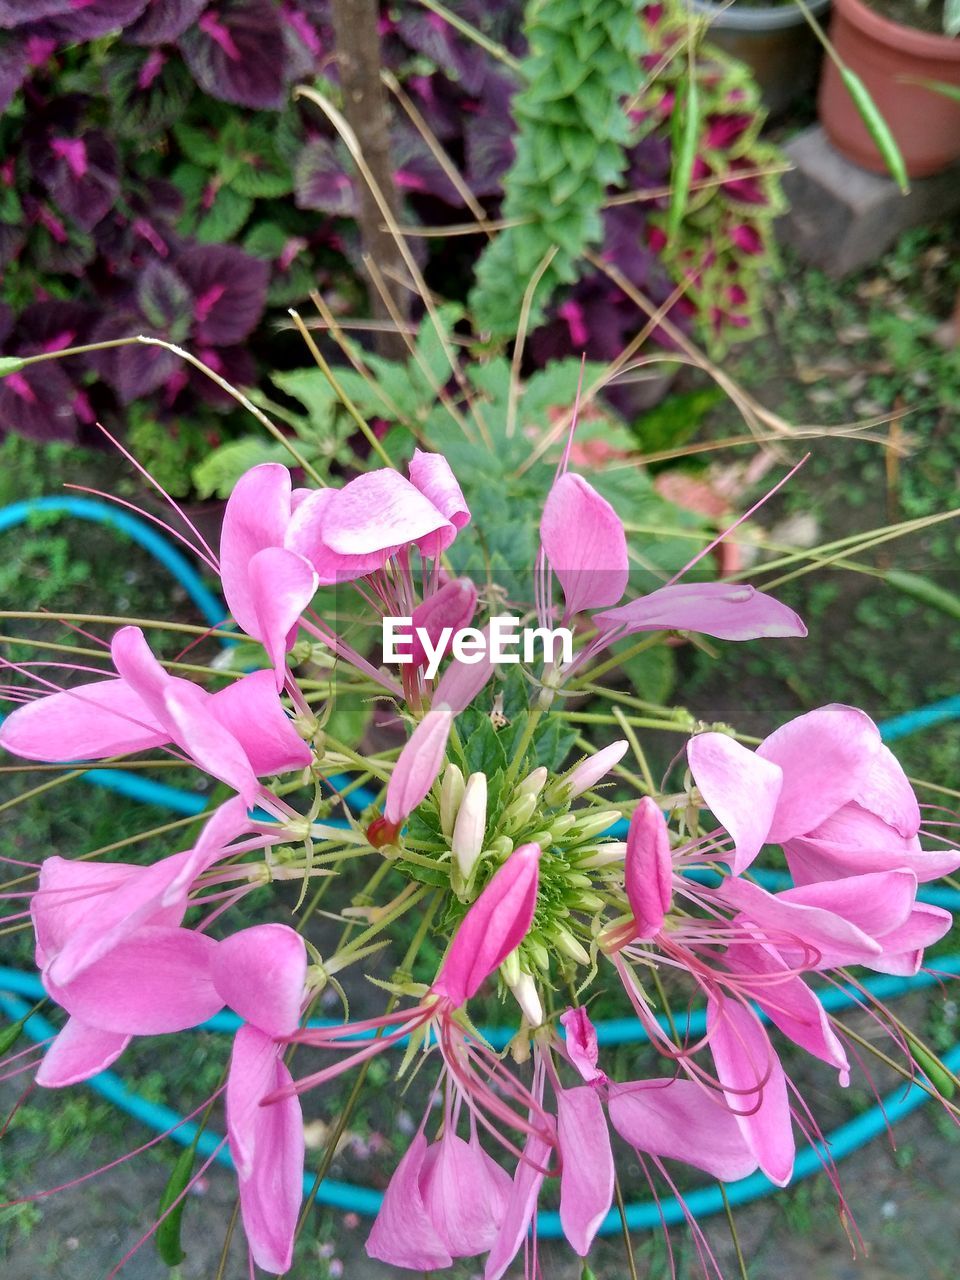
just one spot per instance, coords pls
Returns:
(109, 911)
(826, 756)
(464, 1200)
(377, 511)
(789, 1003)
(138, 666)
(431, 474)
(250, 710)
(581, 1043)
(887, 792)
(583, 539)
(403, 1234)
(648, 868)
(521, 1206)
(205, 739)
(78, 1053)
(260, 973)
(282, 584)
(418, 764)
(304, 533)
(452, 606)
(89, 722)
(586, 1176)
(903, 947)
(680, 1120)
(875, 903)
(68, 894)
(256, 517)
(154, 982)
(753, 1081)
(589, 772)
(462, 681)
(814, 937)
(879, 849)
(267, 1145)
(740, 789)
(494, 926)
(728, 612)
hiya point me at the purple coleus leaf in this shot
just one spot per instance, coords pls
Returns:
(164, 21)
(164, 301)
(488, 139)
(320, 181)
(416, 167)
(91, 19)
(18, 13)
(41, 401)
(14, 66)
(80, 171)
(237, 53)
(229, 289)
(135, 371)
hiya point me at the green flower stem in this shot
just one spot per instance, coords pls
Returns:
(617, 660)
(534, 717)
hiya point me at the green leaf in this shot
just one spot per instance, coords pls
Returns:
(483, 749)
(676, 419)
(168, 1232)
(686, 132)
(225, 217)
(216, 475)
(877, 127)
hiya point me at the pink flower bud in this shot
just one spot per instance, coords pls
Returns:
(494, 926)
(447, 611)
(648, 868)
(582, 1047)
(589, 772)
(418, 765)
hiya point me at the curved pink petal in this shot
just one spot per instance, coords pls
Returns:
(826, 756)
(813, 937)
(462, 681)
(589, 771)
(680, 1120)
(583, 539)
(267, 1145)
(109, 911)
(431, 474)
(494, 926)
(581, 1043)
(903, 947)
(68, 895)
(648, 868)
(154, 982)
(739, 788)
(250, 710)
(521, 1206)
(282, 584)
(418, 764)
(726, 611)
(78, 1053)
(789, 1003)
(256, 517)
(755, 1086)
(138, 666)
(886, 792)
(88, 722)
(586, 1175)
(861, 843)
(261, 973)
(403, 1234)
(464, 1199)
(380, 510)
(875, 903)
(207, 741)
(452, 606)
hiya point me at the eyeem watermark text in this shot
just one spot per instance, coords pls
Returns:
(503, 640)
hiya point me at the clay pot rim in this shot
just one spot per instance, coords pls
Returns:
(756, 18)
(922, 44)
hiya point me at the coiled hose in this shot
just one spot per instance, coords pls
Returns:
(346, 1196)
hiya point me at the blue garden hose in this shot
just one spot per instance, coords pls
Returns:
(703, 1202)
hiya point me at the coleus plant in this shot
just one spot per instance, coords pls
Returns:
(151, 131)
(491, 832)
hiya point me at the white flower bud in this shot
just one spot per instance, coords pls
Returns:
(605, 855)
(451, 793)
(525, 994)
(533, 783)
(471, 824)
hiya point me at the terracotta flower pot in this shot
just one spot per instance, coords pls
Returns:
(773, 40)
(888, 56)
